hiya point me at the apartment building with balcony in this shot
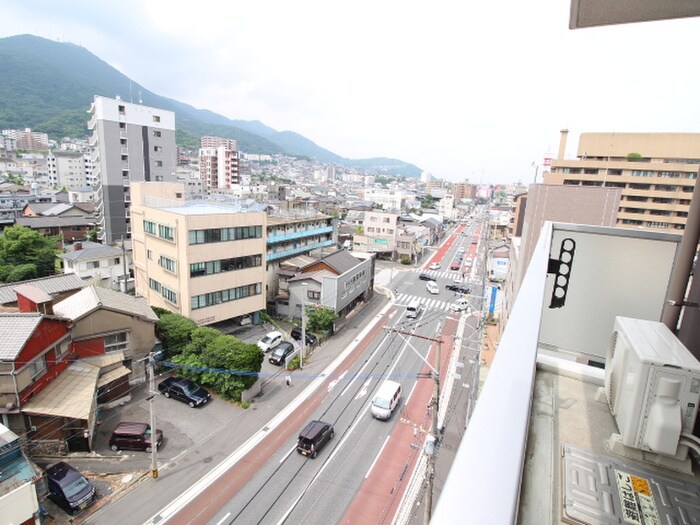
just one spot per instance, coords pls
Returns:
(656, 173)
(379, 233)
(219, 164)
(201, 259)
(290, 234)
(129, 143)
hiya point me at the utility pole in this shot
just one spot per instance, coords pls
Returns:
(151, 399)
(304, 288)
(435, 406)
(124, 263)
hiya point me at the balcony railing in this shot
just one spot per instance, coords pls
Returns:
(298, 234)
(295, 251)
(483, 485)
(91, 123)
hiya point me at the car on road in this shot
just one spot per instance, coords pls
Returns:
(134, 436)
(184, 390)
(270, 341)
(460, 305)
(69, 488)
(459, 288)
(311, 339)
(455, 265)
(426, 277)
(281, 353)
(432, 287)
(314, 437)
(461, 249)
(434, 266)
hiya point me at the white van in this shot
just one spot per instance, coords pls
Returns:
(460, 305)
(432, 287)
(413, 309)
(386, 399)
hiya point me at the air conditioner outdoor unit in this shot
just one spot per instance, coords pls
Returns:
(652, 385)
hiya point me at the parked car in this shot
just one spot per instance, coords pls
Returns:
(434, 266)
(69, 488)
(313, 438)
(270, 341)
(459, 288)
(134, 436)
(281, 352)
(426, 277)
(184, 390)
(310, 338)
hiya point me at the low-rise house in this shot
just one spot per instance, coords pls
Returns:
(58, 287)
(106, 321)
(18, 494)
(69, 229)
(99, 264)
(338, 281)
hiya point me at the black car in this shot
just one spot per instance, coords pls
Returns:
(281, 352)
(69, 488)
(426, 277)
(184, 390)
(310, 338)
(313, 437)
(459, 288)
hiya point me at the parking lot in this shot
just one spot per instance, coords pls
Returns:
(183, 428)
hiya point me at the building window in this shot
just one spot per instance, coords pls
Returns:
(149, 254)
(167, 263)
(159, 164)
(154, 285)
(93, 264)
(61, 349)
(38, 367)
(168, 295)
(166, 232)
(224, 234)
(122, 110)
(225, 265)
(116, 261)
(311, 294)
(224, 296)
(156, 118)
(149, 227)
(117, 342)
(157, 148)
(156, 133)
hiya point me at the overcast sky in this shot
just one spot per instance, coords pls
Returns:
(476, 90)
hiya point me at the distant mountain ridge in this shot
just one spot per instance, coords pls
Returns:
(49, 87)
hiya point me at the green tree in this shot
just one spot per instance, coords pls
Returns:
(14, 179)
(22, 246)
(175, 331)
(321, 319)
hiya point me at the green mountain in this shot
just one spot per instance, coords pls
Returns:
(49, 86)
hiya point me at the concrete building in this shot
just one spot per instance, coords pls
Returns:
(388, 199)
(219, 163)
(202, 260)
(67, 169)
(96, 263)
(338, 281)
(293, 234)
(130, 143)
(27, 139)
(379, 233)
(656, 173)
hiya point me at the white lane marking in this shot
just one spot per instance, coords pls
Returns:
(288, 454)
(223, 519)
(363, 390)
(377, 456)
(335, 381)
(410, 394)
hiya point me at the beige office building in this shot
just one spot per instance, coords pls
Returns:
(656, 173)
(202, 260)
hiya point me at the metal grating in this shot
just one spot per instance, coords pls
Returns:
(603, 490)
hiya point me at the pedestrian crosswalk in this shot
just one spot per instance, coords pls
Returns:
(451, 275)
(428, 303)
